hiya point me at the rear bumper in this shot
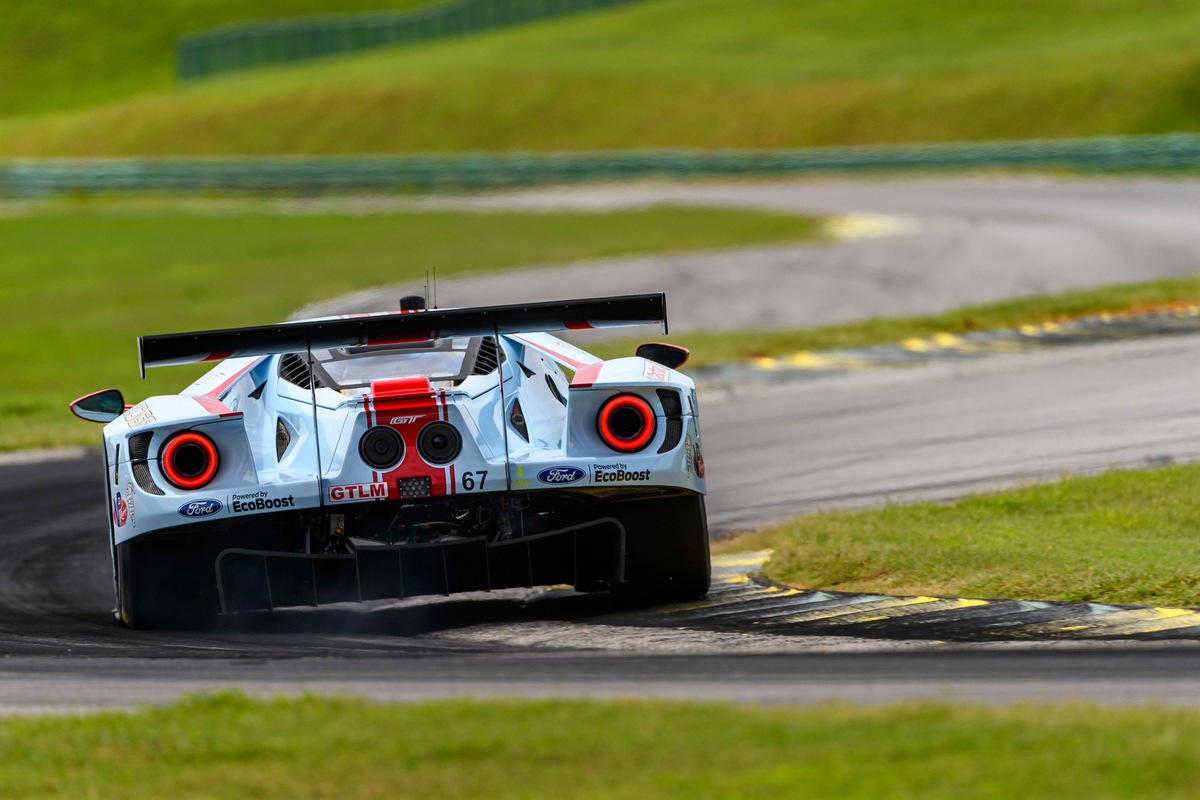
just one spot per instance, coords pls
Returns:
(590, 554)
(379, 551)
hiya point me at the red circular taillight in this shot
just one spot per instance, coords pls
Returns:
(626, 423)
(189, 460)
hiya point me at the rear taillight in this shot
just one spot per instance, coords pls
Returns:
(626, 423)
(189, 460)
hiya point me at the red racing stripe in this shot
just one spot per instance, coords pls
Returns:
(232, 379)
(214, 406)
(585, 376)
(407, 416)
(555, 354)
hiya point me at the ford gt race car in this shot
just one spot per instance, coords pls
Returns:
(424, 451)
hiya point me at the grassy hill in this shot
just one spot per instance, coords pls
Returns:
(694, 73)
(92, 51)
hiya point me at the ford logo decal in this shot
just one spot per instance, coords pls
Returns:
(200, 508)
(558, 475)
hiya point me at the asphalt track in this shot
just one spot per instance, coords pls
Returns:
(772, 451)
(956, 241)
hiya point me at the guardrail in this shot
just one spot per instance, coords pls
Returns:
(423, 173)
(256, 44)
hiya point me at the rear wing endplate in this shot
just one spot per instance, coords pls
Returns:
(398, 327)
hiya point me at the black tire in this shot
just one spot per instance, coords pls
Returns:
(666, 550)
(166, 584)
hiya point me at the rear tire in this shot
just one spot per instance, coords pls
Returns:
(666, 550)
(165, 584)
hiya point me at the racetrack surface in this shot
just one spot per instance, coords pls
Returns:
(772, 451)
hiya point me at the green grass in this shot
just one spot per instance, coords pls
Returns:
(1121, 537)
(226, 746)
(717, 348)
(697, 73)
(90, 51)
(81, 282)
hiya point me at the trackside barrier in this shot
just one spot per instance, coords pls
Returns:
(425, 173)
(254, 44)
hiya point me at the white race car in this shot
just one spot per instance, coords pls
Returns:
(404, 453)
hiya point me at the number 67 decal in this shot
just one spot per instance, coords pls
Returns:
(469, 480)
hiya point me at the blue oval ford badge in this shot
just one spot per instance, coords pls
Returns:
(200, 508)
(557, 475)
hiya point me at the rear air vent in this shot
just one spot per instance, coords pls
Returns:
(294, 369)
(139, 446)
(516, 418)
(282, 439)
(488, 357)
(141, 474)
(554, 390)
(673, 408)
(139, 452)
(672, 405)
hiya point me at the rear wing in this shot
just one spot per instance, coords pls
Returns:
(400, 327)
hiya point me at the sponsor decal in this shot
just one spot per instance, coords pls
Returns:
(656, 372)
(618, 473)
(699, 464)
(358, 491)
(139, 415)
(687, 454)
(406, 420)
(259, 501)
(120, 511)
(556, 476)
(200, 508)
(129, 503)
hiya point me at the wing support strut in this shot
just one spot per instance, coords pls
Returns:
(503, 410)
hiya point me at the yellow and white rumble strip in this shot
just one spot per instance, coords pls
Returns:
(743, 600)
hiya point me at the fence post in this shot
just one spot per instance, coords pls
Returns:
(253, 44)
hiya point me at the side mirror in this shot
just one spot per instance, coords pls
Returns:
(669, 355)
(102, 406)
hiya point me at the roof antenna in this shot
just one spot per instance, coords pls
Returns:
(427, 284)
(434, 303)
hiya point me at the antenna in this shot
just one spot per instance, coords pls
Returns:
(434, 303)
(427, 284)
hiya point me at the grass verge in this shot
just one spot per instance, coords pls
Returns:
(717, 348)
(90, 51)
(226, 746)
(81, 283)
(1121, 537)
(667, 73)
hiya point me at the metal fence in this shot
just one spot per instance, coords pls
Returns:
(424, 173)
(255, 44)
